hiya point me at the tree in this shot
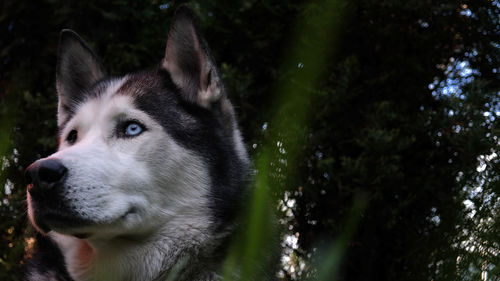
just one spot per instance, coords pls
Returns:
(402, 120)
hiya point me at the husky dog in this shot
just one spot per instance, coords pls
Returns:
(150, 169)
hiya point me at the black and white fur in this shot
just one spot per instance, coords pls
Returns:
(122, 206)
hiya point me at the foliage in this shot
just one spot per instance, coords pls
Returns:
(389, 154)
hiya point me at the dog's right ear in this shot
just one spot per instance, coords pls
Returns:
(78, 68)
(189, 62)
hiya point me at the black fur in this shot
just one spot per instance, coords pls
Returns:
(209, 136)
(47, 261)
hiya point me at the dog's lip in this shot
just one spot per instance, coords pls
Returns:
(83, 235)
(69, 225)
(56, 220)
(86, 235)
(130, 211)
(72, 224)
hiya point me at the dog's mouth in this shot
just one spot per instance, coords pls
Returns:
(57, 213)
(71, 223)
(56, 220)
(48, 220)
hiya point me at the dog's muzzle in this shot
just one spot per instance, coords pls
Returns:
(46, 178)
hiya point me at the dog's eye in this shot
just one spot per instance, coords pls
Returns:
(133, 129)
(72, 136)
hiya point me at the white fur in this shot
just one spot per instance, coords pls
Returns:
(164, 185)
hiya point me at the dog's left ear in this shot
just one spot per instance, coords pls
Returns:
(188, 60)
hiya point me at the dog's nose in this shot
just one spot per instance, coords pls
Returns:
(45, 174)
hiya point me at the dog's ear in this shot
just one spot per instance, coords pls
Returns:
(188, 60)
(78, 68)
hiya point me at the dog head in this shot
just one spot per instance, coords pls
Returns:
(143, 151)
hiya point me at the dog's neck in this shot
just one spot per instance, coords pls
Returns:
(127, 258)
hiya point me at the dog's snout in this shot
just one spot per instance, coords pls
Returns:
(45, 173)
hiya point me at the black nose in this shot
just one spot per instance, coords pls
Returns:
(45, 173)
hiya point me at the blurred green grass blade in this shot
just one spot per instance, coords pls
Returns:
(312, 44)
(329, 267)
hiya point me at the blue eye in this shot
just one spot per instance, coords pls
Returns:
(133, 129)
